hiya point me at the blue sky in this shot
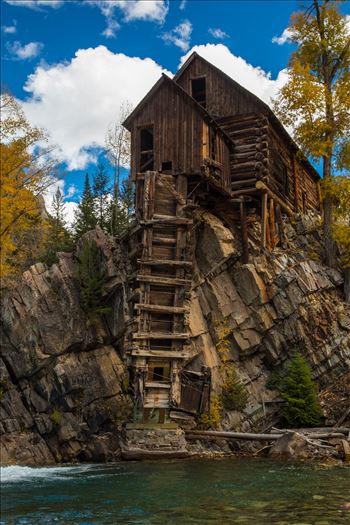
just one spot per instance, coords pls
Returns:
(73, 62)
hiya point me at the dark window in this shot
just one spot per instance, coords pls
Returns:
(167, 166)
(158, 373)
(198, 90)
(146, 149)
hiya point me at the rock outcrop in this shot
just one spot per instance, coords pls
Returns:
(64, 383)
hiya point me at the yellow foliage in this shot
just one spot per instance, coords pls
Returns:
(223, 344)
(213, 418)
(22, 184)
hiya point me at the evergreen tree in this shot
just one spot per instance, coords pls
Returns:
(121, 210)
(85, 218)
(58, 238)
(92, 278)
(299, 393)
(101, 191)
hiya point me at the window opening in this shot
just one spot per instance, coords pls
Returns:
(285, 181)
(198, 90)
(167, 166)
(146, 149)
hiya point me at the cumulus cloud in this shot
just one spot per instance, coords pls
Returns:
(283, 38)
(180, 36)
(25, 52)
(77, 101)
(10, 29)
(36, 4)
(152, 10)
(255, 79)
(69, 206)
(218, 33)
(182, 4)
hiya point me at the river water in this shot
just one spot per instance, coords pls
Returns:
(234, 491)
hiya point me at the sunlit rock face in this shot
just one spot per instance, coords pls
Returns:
(64, 386)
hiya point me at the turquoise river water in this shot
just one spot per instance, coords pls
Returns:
(234, 491)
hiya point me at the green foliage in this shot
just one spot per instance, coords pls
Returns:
(56, 417)
(85, 218)
(301, 406)
(212, 418)
(101, 191)
(92, 278)
(234, 395)
(121, 209)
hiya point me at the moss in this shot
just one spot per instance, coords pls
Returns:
(56, 417)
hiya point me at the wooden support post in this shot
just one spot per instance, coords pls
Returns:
(263, 219)
(261, 186)
(244, 232)
(281, 233)
(272, 224)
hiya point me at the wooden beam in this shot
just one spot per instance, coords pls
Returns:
(160, 308)
(263, 219)
(262, 186)
(160, 335)
(163, 262)
(244, 232)
(167, 281)
(168, 354)
(273, 236)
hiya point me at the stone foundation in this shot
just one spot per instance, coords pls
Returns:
(153, 443)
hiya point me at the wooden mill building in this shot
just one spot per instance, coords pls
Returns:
(197, 138)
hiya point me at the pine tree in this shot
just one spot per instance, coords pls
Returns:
(101, 191)
(58, 238)
(121, 211)
(92, 278)
(85, 218)
(299, 393)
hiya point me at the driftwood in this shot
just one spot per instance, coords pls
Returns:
(250, 436)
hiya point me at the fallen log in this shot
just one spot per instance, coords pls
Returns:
(248, 436)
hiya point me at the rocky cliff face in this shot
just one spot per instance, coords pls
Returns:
(278, 303)
(64, 383)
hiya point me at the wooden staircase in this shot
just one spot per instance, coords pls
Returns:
(161, 248)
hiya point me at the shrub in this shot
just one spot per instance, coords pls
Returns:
(298, 390)
(56, 417)
(234, 395)
(212, 418)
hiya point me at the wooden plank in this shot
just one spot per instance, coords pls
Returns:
(160, 308)
(168, 354)
(160, 335)
(162, 280)
(164, 262)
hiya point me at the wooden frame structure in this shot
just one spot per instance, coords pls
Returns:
(225, 146)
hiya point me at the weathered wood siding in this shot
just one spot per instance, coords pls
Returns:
(223, 97)
(180, 134)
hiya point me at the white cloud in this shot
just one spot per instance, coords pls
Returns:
(182, 4)
(10, 29)
(283, 38)
(180, 36)
(25, 52)
(36, 4)
(69, 206)
(72, 190)
(152, 10)
(255, 79)
(77, 101)
(218, 33)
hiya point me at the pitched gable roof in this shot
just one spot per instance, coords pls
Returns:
(164, 79)
(262, 105)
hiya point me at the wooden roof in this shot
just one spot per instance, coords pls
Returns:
(261, 105)
(164, 79)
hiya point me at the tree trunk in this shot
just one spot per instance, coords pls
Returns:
(329, 244)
